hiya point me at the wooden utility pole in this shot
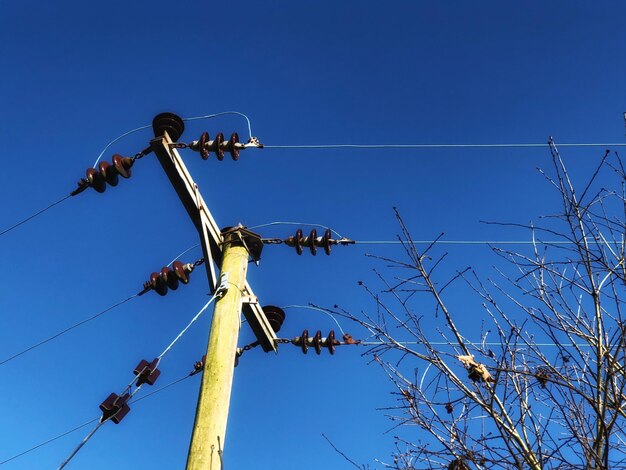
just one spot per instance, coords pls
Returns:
(207, 441)
(231, 249)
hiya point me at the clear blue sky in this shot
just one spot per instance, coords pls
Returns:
(77, 74)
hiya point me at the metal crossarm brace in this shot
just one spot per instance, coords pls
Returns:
(210, 234)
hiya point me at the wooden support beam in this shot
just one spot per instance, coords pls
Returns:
(210, 234)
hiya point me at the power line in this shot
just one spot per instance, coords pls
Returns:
(463, 242)
(435, 146)
(66, 330)
(194, 118)
(63, 434)
(306, 224)
(23, 221)
(218, 293)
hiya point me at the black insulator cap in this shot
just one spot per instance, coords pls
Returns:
(169, 122)
(275, 316)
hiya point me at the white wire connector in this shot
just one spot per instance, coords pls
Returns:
(223, 286)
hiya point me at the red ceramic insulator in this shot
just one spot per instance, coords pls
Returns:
(232, 148)
(170, 278)
(317, 342)
(123, 165)
(158, 283)
(147, 372)
(109, 172)
(305, 341)
(204, 152)
(96, 180)
(326, 241)
(115, 408)
(312, 240)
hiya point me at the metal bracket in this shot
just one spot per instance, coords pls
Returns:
(249, 299)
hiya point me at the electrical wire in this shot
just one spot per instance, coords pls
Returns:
(23, 221)
(35, 447)
(66, 330)
(183, 253)
(59, 436)
(218, 293)
(194, 118)
(297, 223)
(463, 242)
(316, 309)
(418, 242)
(492, 343)
(209, 116)
(434, 146)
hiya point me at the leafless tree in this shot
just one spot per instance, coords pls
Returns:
(549, 390)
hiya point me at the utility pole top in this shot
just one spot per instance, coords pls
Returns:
(211, 236)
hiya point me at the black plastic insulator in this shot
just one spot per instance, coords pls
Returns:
(109, 172)
(147, 372)
(96, 180)
(170, 123)
(275, 316)
(115, 407)
(312, 242)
